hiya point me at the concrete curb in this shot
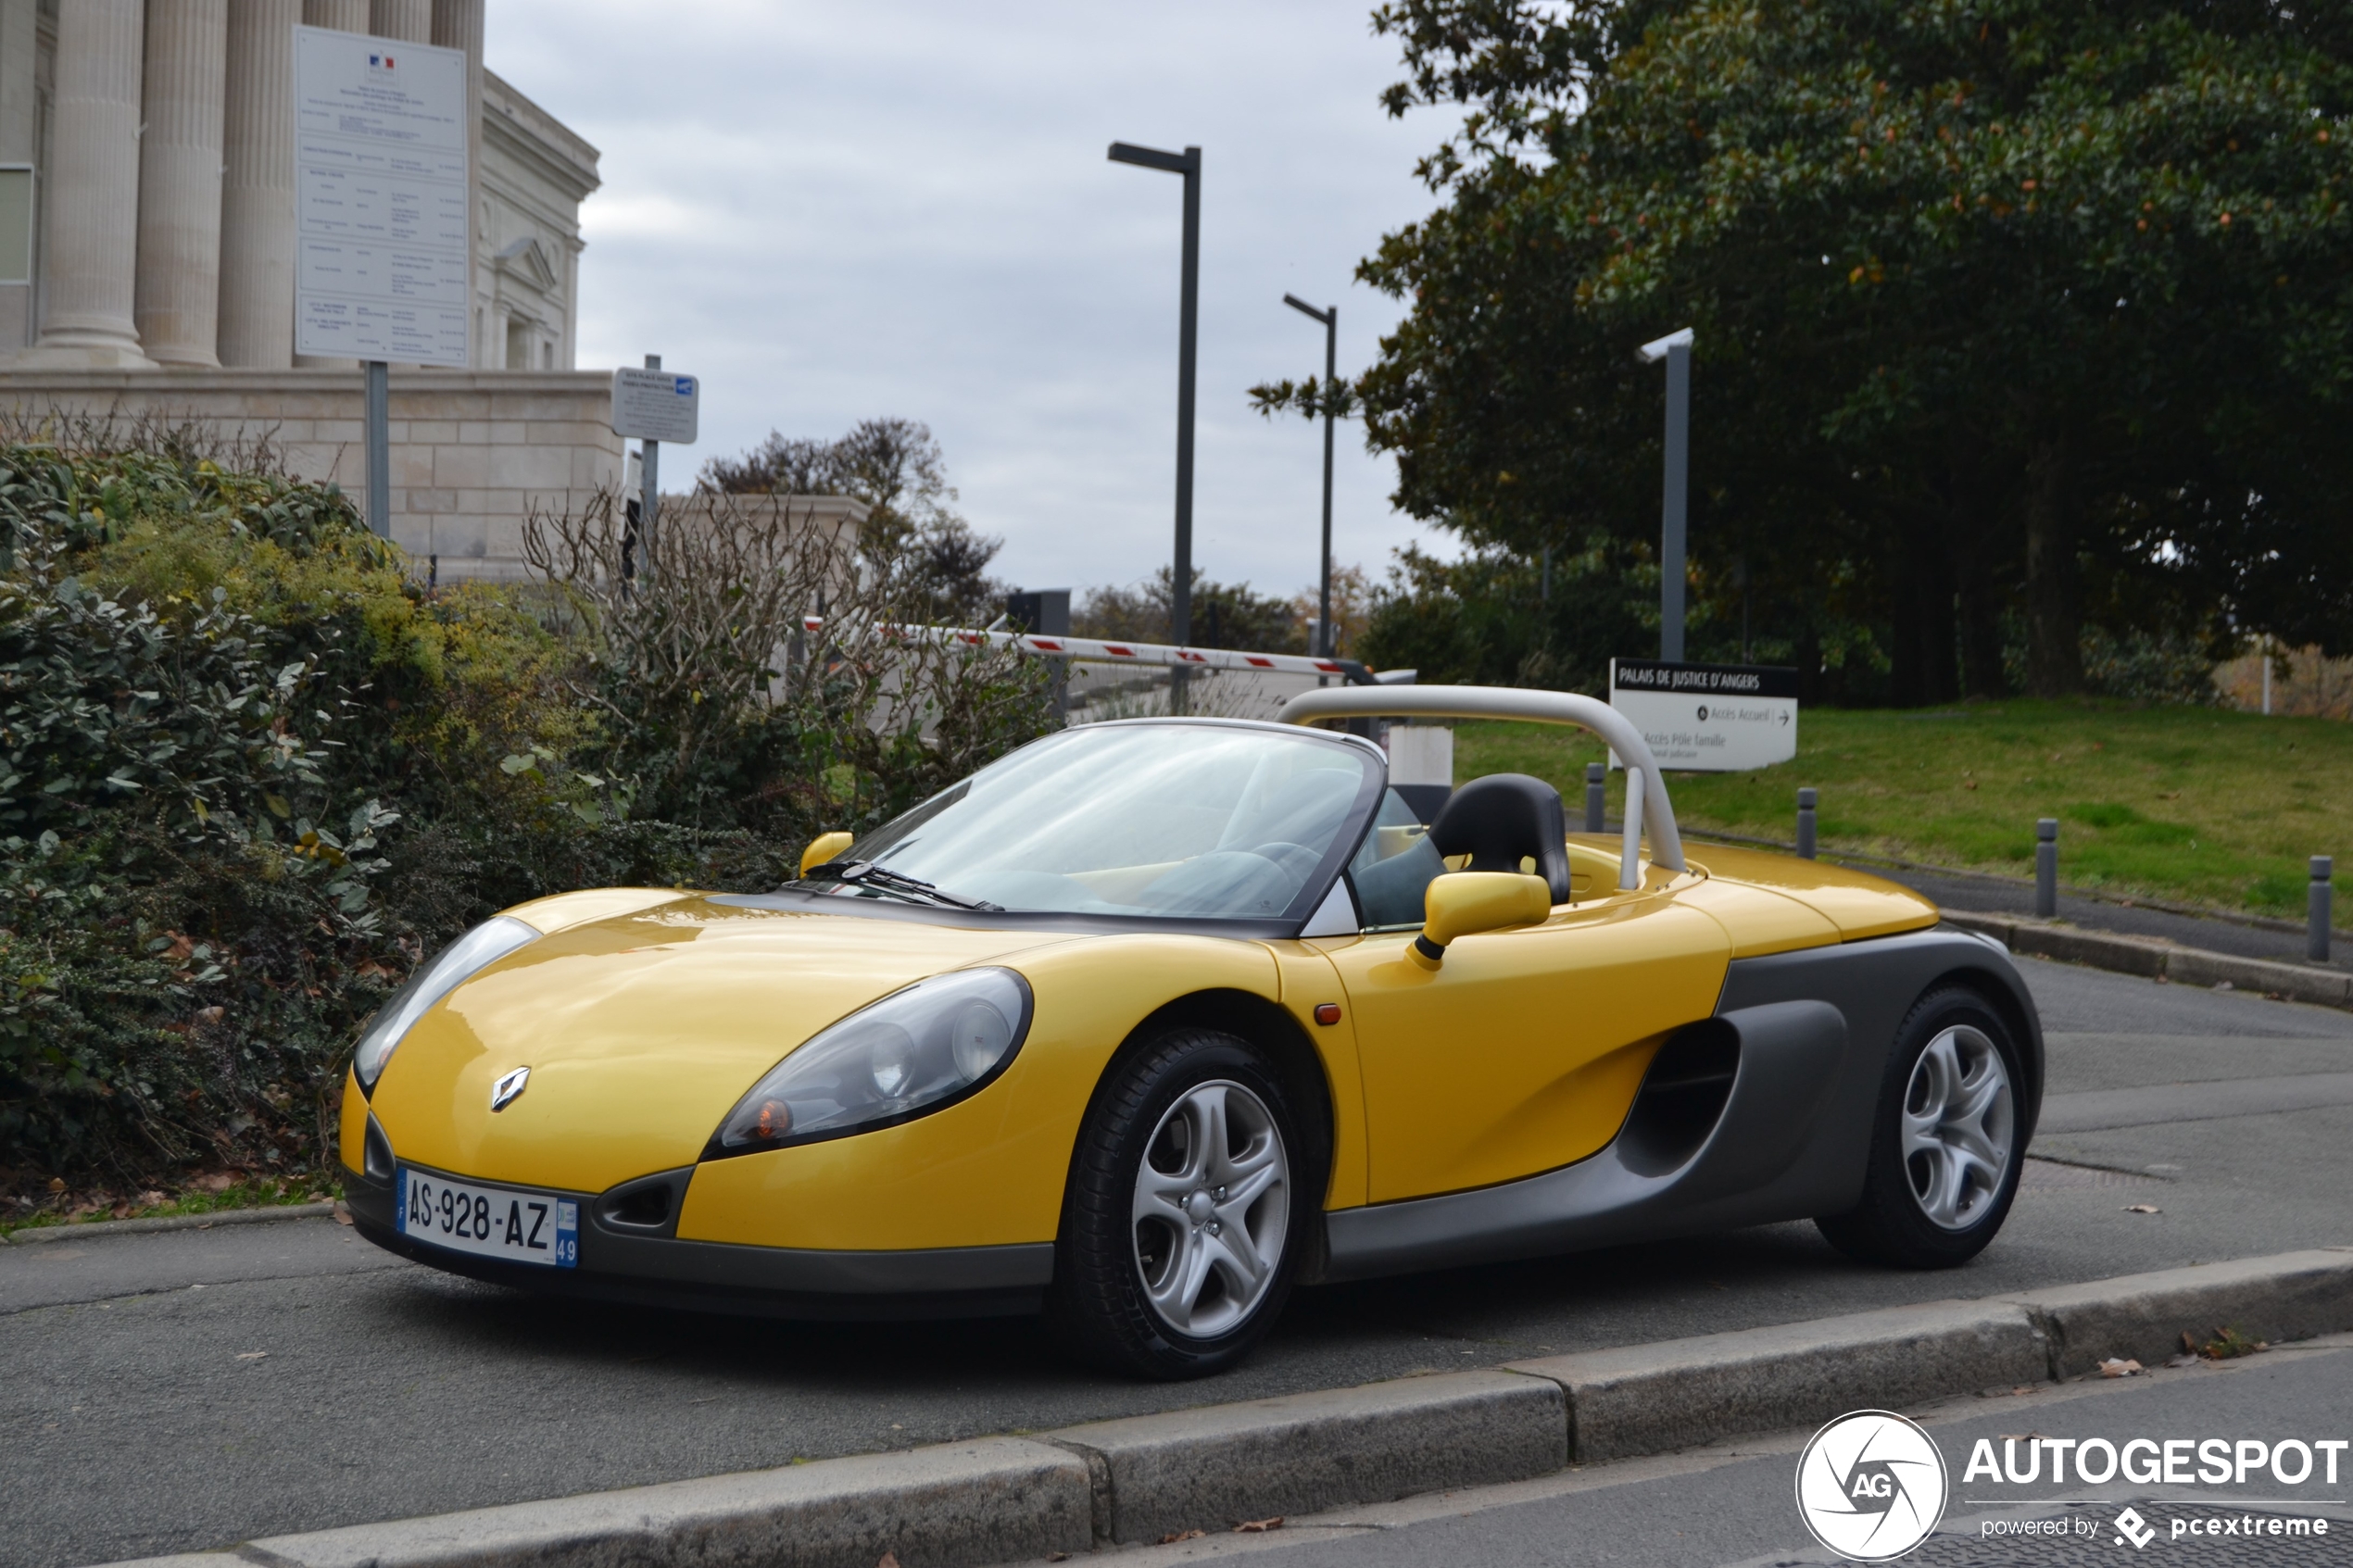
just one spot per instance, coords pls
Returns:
(2155, 959)
(168, 1223)
(2291, 1296)
(1140, 1478)
(1649, 1399)
(1221, 1464)
(993, 1500)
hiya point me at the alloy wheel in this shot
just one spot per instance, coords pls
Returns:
(1960, 1124)
(1212, 1209)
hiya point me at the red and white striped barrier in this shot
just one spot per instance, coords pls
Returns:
(1091, 650)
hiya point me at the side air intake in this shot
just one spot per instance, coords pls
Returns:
(1683, 1097)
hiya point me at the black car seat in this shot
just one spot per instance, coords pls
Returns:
(1502, 820)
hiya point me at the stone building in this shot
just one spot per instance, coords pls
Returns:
(147, 256)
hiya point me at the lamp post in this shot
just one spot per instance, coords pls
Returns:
(1676, 349)
(1180, 606)
(1330, 320)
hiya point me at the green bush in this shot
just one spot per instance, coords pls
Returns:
(251, 774)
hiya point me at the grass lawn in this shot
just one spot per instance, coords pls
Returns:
(2205, 806)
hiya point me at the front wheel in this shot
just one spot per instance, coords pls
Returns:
(1182, 1229)
(1945, 1149)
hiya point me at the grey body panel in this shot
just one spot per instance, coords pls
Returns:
(1815, 1028)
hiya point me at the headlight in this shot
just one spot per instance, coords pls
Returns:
(459, 961)
(915, 1051)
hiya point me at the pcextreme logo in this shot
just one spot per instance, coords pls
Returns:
(1871, 1485)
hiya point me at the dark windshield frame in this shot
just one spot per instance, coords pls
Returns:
(1310, 898)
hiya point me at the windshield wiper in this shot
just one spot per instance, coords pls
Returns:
(867, 873)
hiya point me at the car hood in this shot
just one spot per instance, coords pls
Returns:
(641, 1031)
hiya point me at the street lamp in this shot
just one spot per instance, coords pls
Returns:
(1330, 319)
(1180, 606)
(1676, 349)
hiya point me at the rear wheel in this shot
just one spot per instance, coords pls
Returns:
(1181, 1231)
(1945, 1151)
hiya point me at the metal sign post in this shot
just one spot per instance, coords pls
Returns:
(654, 405)
(1330, 321)
(1676, 349)
(1180, 606)
(378, 435)
(381, 262)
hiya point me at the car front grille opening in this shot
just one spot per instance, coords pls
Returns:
(377, 1153)
(1683, 1097)
(648, 1206)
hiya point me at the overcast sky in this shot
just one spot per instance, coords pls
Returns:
(831, 212)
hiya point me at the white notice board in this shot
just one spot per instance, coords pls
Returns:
(1708, 718)
(380, 199)
(655, 405)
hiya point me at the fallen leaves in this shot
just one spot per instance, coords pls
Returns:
(2142, 1209)
(1174, 1535)
(342, 1213)
(1258, 1526)
(2120, 1366)
(2228, 1344)
(253, 1355)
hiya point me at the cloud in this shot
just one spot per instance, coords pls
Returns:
(903, 207)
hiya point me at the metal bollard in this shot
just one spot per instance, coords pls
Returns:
(1596, 794)
(2046, 866)
(1806, 798)
(2316, 936)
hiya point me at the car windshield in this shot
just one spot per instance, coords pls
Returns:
(1202, 821)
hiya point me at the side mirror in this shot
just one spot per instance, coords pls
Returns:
(1462, 903)
(824, 847)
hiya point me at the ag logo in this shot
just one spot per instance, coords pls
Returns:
(1871, 1485)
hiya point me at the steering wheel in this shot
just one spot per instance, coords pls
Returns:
(1296, 859)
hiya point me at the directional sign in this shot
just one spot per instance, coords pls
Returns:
(1708, 718)
(381, 269)
(655, 405)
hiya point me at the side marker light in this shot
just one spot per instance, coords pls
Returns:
(1328, 1012)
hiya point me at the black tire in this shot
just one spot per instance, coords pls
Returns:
(1100, 1304)
(1893, 1225)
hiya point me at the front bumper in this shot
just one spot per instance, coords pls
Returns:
(655, 1270)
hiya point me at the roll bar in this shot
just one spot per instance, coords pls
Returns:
(1647, 797)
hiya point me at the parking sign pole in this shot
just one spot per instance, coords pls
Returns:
(1676, 349)
(649, 475)
(377, 436)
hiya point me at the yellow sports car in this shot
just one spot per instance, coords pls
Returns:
(1150, 1022)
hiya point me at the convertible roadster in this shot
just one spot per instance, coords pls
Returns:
(1150, 1022)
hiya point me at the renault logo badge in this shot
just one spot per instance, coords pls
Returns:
(504, 1092)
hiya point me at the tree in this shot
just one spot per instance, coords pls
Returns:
(2004, 307)
(912, 528)
(1226, 615)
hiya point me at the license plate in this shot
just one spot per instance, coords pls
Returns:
(488, 1221)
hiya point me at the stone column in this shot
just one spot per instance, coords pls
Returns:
(257, 193)
(457, 24)
(344, 16)
(408, 21)
(93, 200)
(179, 291)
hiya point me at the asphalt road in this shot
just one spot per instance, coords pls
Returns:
(189, 1389)
(1734, 1506)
